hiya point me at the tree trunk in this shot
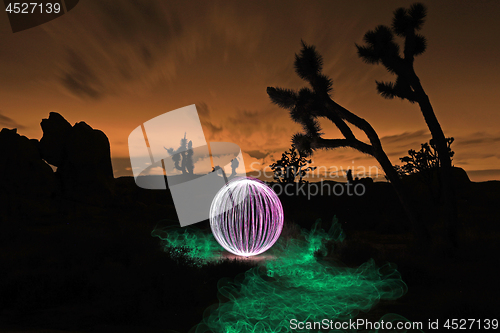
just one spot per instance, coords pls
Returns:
(377, 151)
(450, 203)
(421, 233)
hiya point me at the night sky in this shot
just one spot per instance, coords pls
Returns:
(117, 64)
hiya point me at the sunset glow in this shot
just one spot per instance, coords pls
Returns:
(98, 65)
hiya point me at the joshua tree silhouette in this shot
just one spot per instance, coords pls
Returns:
(307, 105)
(183, 155)
(382, 48)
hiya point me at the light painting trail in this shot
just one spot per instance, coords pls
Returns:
(246, 217)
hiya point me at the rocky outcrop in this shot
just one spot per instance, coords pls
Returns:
(82, 157)
(27, 183)
(22, 170)
(56, 130)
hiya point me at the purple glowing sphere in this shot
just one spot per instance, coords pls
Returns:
(246, 217)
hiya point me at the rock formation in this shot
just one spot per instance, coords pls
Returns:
(82, 157)
(27, 183)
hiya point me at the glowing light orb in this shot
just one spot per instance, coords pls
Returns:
(246, 217)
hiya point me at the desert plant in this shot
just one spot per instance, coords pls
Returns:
(307, 105)
(382, 48)
(290, 166)
(423, 160)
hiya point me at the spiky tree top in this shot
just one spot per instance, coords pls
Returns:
(381, 47)
(307, 105)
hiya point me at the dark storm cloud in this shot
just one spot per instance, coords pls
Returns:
(9, 122)
(264, 129)
(136, 19)
(484, 174)
(398, 153)
(474, 158)
(421, 135)
(477, 139)
(205, 118)
(80, 79)
(247, 122)
(464, 156)
(474, 139)
(397, 146)
(257, 154)
(246, 117)
(112, 45)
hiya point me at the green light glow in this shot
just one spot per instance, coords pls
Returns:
(298, 283)
(199, 247)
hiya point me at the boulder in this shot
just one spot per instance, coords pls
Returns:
(427, 184)
(22, 171)
(55, 131)
(82, 157)
(27, 183)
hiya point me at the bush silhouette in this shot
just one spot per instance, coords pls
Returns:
(290, 166)
(423, 160)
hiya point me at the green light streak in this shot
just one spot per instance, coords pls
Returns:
(189, 243)
(296, 284)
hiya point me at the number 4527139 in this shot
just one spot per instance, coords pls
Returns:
(463, 324)
(33, 7)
